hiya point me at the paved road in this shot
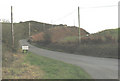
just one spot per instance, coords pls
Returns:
(98, 68)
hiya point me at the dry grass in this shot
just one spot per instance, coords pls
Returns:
(31, 66)
(21, 70)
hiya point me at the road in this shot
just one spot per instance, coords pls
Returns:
(98, 68)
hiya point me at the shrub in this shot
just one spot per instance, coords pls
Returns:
(47, 38)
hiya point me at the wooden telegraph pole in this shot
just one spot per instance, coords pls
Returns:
(29, 29)
(12, 29)
(79, 37)
(43, 26)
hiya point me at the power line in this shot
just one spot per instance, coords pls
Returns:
(85, 8)
(65, 15)
(99, 6)
(76, 2)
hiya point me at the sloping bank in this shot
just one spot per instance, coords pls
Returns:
(54, 69)
(32, 66)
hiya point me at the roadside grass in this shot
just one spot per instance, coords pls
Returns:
(32, 66)
(18, 69)
(54, 69)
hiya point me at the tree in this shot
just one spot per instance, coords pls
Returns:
(4, 21)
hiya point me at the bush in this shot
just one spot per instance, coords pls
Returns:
(47, 38)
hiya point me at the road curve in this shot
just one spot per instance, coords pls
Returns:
(98, 68)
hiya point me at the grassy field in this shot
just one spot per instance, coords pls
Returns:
(32, 66)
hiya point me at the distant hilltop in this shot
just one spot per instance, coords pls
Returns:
(31, 21)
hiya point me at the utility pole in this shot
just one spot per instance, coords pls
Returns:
(79, 35)
(43, 26)
(29, 29)
(12, 29)
(52, 23)
(74, 22)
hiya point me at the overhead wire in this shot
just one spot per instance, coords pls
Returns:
(61, 18)
(99, 6)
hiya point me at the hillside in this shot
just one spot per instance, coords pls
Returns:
(64, 38)
(21, 31)
(100, 44)
(109, 32)
(108, 35)
(58, 34)
(70, 34)
(16, 65)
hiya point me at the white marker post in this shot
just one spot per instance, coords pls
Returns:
(25, 49)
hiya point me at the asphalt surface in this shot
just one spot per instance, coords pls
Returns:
(98, 68)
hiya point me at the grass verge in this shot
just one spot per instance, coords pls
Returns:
(18, 69)
(54, 69)
(32, 66)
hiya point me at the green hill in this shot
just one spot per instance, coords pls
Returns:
(102, 44)
(21, 31)
(17, 65)
(105, 36)
(109, 32)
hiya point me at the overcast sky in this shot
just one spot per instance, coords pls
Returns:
(95, 15)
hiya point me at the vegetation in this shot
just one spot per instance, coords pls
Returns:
(101, 44)
(32, 66)
(58, 34)
(19, 34)
(70, 39)
(54, 69)
(21, 31)
(18, 66)
(59, 38)
(19, 69)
